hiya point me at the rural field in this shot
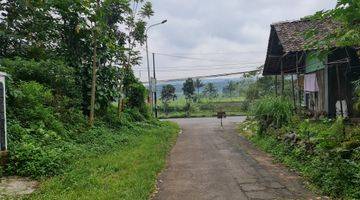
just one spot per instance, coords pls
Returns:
(204, 107)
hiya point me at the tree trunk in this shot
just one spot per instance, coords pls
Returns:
(120, 101)
(93, 84)
(94, 70)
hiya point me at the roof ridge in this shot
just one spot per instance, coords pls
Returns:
(291, 21)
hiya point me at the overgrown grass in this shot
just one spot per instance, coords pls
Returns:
(126, 170)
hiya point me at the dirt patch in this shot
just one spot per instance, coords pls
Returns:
(16, 186)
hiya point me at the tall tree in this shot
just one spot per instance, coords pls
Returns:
(230, 88)
(167, 94)
(134, 35)
(27, 29)
(198, 85)
(210, 90)
(188, 89)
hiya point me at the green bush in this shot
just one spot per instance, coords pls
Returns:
(29, 158)
(53, 74)
(136, 95)
(276, 111)
(29, 103)
(35, 150)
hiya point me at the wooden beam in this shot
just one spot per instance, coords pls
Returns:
(276, 87)
(282, 77)
(298, 79)
(339, 91)
(293, 89)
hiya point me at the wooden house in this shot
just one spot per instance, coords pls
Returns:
(324, 79)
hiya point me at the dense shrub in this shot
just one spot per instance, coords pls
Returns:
(276, 111)
(136, 95)
(29, 103)
(107, 87)
(37, 137)
(53, 74)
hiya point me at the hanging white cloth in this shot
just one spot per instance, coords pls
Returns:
(310, 83)
(344, 108)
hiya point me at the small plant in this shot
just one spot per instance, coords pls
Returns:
(275, 111)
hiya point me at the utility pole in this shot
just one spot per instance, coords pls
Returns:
(155, 96)
(147, 57)
(148, 68)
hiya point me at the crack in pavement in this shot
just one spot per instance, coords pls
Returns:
(209, 162)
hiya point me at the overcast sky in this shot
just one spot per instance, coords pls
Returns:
(204, 37)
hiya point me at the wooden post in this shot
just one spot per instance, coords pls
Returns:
(339, 90)
(293, 89)
(348, 69)
(276, 85)
(298, 80)
(282, 77)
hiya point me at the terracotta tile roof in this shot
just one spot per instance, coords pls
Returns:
(292, 34)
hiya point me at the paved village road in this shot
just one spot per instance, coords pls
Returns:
(209, 162)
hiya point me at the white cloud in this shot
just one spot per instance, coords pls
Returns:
(218, 30)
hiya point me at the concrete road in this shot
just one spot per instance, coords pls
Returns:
(210, 162)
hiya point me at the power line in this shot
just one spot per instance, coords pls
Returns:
(208, 76)
(197, 70)
(209, 66)
(213, 53)
(190, 58)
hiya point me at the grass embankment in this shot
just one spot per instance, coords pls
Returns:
(126, 170)
(205, 107)
(322, 154)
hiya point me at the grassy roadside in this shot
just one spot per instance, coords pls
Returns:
(128, 171)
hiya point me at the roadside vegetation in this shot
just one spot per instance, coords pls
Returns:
(117, 164)
(77, 118)
(326, 151)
